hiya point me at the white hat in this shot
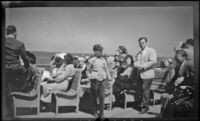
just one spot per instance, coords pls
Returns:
(81, 59)
(61, 55)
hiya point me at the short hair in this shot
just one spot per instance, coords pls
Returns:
(190, 42)
(32, 57)
(131, 57)
(11, 29)
(69, 58)
(141, 38)
(123, 48)
(97, 47)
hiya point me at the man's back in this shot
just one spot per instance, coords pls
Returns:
(13, 50)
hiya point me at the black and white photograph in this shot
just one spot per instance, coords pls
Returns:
(100, 60)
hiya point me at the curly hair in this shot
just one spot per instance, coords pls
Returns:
(190, 42)
(131, 57)
(141, 38)
(124, 50)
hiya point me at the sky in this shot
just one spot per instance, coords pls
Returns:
(77, 29)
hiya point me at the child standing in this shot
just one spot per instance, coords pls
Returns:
(97, 71)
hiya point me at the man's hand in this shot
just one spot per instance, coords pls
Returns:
(50, 79)
(141, 68)
(183, 87)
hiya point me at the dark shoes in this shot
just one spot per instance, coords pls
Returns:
(95, 114)
(98, 115)
(143, 110)
(44, 109)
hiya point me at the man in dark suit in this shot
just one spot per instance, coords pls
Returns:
(14, 49)
(15, 74)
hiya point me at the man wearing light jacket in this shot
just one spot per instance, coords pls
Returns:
(145, 60)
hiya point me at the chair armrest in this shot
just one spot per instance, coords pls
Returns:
(160, 83)
(65, 94)
(30, 94)
(129, 91)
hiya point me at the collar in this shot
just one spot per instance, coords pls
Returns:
(143, 50)
(10, 36)
(94, 58)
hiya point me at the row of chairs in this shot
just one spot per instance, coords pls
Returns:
(32, 99)
(69, 98)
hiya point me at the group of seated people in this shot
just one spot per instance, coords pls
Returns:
(178, 99)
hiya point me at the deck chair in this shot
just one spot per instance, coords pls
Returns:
(71, 97)
(30, 99)
(158, 82)
(134, 88)
(109, 94)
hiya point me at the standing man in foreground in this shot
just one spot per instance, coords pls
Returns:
(14, 50)
(97, 71)
(145, 60)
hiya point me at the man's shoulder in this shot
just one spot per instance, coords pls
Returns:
(15, 41)
(92, 58)
(96, 58)
(150, 49)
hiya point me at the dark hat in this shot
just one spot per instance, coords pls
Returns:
(190, 42)
(69, 58)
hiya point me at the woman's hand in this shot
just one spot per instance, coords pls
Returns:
(178, 81)
(50, 80)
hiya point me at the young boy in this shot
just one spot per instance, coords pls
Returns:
(97, 71)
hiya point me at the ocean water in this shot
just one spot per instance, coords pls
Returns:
(43, 58)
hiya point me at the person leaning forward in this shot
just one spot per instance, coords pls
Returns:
(16, 75)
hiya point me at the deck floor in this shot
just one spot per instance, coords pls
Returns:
(116, 112)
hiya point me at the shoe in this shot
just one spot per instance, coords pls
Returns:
(143, 110)
(44, 109)
(95, 114)
(9, 115)
(151, 102)
(101, 116)
(157, 102)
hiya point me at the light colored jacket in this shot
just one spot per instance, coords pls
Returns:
(146, 58)
(97, 68)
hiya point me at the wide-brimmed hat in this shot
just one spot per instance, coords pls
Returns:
(61, 55)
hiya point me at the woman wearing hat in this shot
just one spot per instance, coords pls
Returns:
(58, 81)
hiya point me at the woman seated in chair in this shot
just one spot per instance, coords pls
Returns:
(56, 61)
(123, 81)
(168, 72)
(59, 81)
